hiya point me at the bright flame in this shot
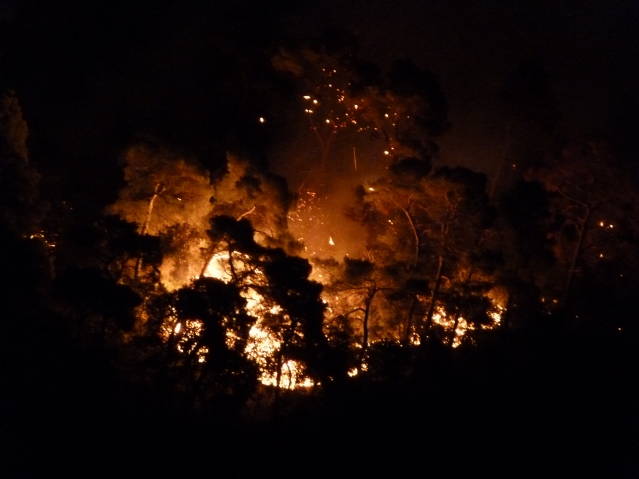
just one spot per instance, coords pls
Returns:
(187, 339)
(261, 349)
(262, 345)
(441, 318)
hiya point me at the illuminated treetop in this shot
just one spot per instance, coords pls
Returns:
(173, 190)
(404, 107)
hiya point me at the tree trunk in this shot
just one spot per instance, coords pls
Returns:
(162, 377)
(278, 380)
(453, 334)
(159, 189)
(575, 256)
(409, 321)
(103, 328)
(433, 301)
(461, 310)
(366, 316)
(367, 313)
(415, 235)
(286, 340)
(500, 167)
(506, 315)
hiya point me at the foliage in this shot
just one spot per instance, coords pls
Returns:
(245, 191)
(20, 209)
(593, 216)
(162, 190)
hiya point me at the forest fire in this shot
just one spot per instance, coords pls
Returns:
(371, 301)
(262, 345)
(249, 229)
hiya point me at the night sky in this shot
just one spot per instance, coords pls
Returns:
(92, 77)
(590, 50)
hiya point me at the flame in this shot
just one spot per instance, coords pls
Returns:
(442, 318)
(262, 345)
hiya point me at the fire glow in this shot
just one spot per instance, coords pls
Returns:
(262, 345)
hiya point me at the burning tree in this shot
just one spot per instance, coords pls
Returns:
(169, 196)
(353, 292)
(254, 309)
(434, 228)
(245, 191)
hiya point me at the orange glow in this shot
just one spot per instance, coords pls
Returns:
(262, 345)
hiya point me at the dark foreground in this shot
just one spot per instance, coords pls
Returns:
(548, 408)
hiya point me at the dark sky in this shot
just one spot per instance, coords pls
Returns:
(90, 74)
(590, 50)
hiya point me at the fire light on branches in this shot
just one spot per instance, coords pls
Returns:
(263, 345)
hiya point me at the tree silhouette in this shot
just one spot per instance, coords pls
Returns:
(163, 193)
(98, 300)
(20, 209)
(587, 199)
(215, 357)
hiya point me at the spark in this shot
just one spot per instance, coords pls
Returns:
(178, 327)
(386, 152)
(307, 97)
(330, 241)
(261, 120)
